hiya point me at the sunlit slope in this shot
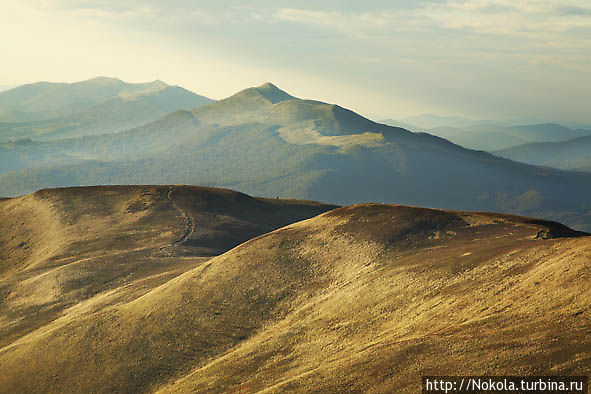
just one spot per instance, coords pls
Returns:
(263, 141)
(365, 299)
(84, 248)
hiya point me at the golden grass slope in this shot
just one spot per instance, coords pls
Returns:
(359, 299)
(79, 249)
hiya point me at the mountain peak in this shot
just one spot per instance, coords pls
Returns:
(254, 97)
(268, 85)
(104, 81)
(273, 93)
(157, 83)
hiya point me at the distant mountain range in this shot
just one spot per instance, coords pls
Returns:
(266, 142)
(430, 121)
(45, 110)
(546, 144)
(574, 154)
(492, 137)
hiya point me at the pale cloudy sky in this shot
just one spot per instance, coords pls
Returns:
(478, 58)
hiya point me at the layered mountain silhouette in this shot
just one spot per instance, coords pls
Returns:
(430, 121)
(266, 142)
(44, 111)
(190, 289)
(491, 137)
(574, 154)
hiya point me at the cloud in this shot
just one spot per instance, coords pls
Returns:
(574, 10)
(498, 17)
(504, 17)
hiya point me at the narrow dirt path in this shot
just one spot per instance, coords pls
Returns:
(190, 224)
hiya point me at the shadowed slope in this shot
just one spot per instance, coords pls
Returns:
(360, 299)
(61, 247)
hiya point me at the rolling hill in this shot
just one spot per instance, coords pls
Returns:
(104, 290)
(45, 111)
(61, 247)
(574, 154)
(264, 141)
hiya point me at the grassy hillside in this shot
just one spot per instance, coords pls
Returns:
(45, 111)
(365, 298)
(569, 155)
(62, 247)
(265, 142)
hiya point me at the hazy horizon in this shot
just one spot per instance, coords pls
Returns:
(474, 58)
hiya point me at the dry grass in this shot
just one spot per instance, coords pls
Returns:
(64, 246)
(360, 299)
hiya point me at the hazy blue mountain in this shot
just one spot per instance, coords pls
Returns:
(429, 121)
(404, 125)
(48, 100)
(546, 132)
(574, 154)
(491, 137)
(488, 140)
(5, 87)
(265, 142)
(45, 110)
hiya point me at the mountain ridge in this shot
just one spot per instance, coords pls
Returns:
(302, 149)
(49, 100)
(97, 106)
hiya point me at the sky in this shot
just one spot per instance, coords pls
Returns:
(484, 59)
